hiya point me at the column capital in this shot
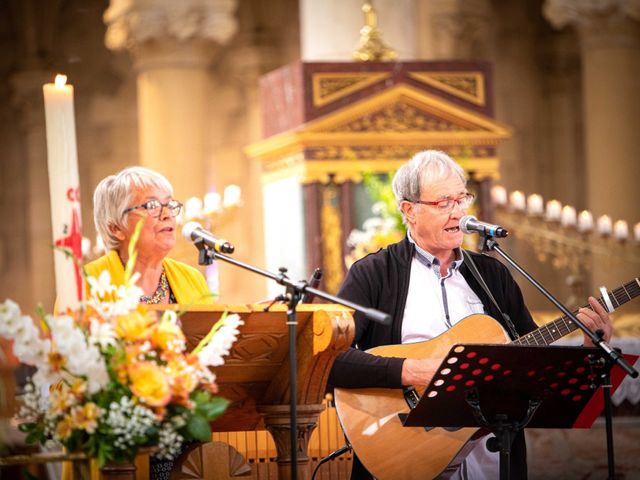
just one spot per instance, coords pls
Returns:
(600, 23)
(460, 29)
(134, 24)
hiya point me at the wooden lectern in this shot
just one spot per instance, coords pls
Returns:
(255, 375)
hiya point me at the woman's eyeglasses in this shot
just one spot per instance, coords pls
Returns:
(154, 208)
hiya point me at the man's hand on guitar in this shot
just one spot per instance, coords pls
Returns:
(595, 319)
(419, 372)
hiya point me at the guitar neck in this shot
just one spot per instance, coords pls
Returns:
(557, 329)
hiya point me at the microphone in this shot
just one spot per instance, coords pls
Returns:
(314, 281)
(470, 224)
(193, 231)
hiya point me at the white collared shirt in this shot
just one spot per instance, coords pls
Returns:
(434, 304)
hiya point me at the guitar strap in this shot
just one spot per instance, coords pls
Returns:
(476, 274)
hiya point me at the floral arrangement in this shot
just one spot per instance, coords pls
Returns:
(384, 228)
(113, 376)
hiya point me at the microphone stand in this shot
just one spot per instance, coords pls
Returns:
(613, 356)
(294, 292)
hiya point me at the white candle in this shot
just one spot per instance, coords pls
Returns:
(534, 204)
(192, 207)
(585, 221)
(232, 195)
(499, 195)
(636, 231)
(568, 217)
(604, 225)
(621, 230)
(553, 211)
(517, 200)
(64, 190)
(212, 202)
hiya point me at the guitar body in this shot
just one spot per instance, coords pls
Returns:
(369, 416)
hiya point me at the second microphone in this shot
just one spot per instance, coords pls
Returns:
(193, 231)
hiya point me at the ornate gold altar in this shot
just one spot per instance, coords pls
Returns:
(327, 123)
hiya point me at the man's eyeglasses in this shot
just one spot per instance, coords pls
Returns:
(448, 204)
(154, 208)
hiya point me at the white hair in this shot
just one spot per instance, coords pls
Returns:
(113, 196)
(425, 168)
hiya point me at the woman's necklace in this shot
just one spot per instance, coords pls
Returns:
(161, 292)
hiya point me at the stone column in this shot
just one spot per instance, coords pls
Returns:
(454, 29)
(27, 97)
(609, 35)
(172, 44)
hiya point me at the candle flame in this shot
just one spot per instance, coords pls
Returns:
(60, 80)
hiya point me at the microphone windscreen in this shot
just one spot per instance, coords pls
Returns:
(189, 228)
(464, 221)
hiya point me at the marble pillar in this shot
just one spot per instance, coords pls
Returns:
(38, 280)
(172, 44)
(454, 29)
(609, 35)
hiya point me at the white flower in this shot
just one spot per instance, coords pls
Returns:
(102, 333)
(219, 346)
(379, 209)
(372, 224)
(9, 317)
(101, 287)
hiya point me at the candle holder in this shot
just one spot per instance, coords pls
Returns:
(213, 211)
(567, 241)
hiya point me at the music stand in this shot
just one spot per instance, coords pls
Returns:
(507, 387)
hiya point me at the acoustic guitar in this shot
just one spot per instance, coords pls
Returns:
(369, 416)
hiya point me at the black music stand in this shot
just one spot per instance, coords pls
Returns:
(506, 387)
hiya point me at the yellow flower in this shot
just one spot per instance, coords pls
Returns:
(135, 326)
(168, 336)
(61, 399)
(149, 383)
(56, 361)
(183, 379)
(86, 417)
(64, 428)
(78, 388)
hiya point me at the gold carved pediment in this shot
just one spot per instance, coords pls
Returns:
(405, 109)
(329, 87)
(468, 86)
(379, 133)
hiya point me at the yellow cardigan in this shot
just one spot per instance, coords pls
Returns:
(187, 283)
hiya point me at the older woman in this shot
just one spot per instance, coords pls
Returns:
(119, 203)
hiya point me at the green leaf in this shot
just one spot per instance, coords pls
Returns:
(33, 437)
(133, 254)
(198, 427)
(213, 408)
